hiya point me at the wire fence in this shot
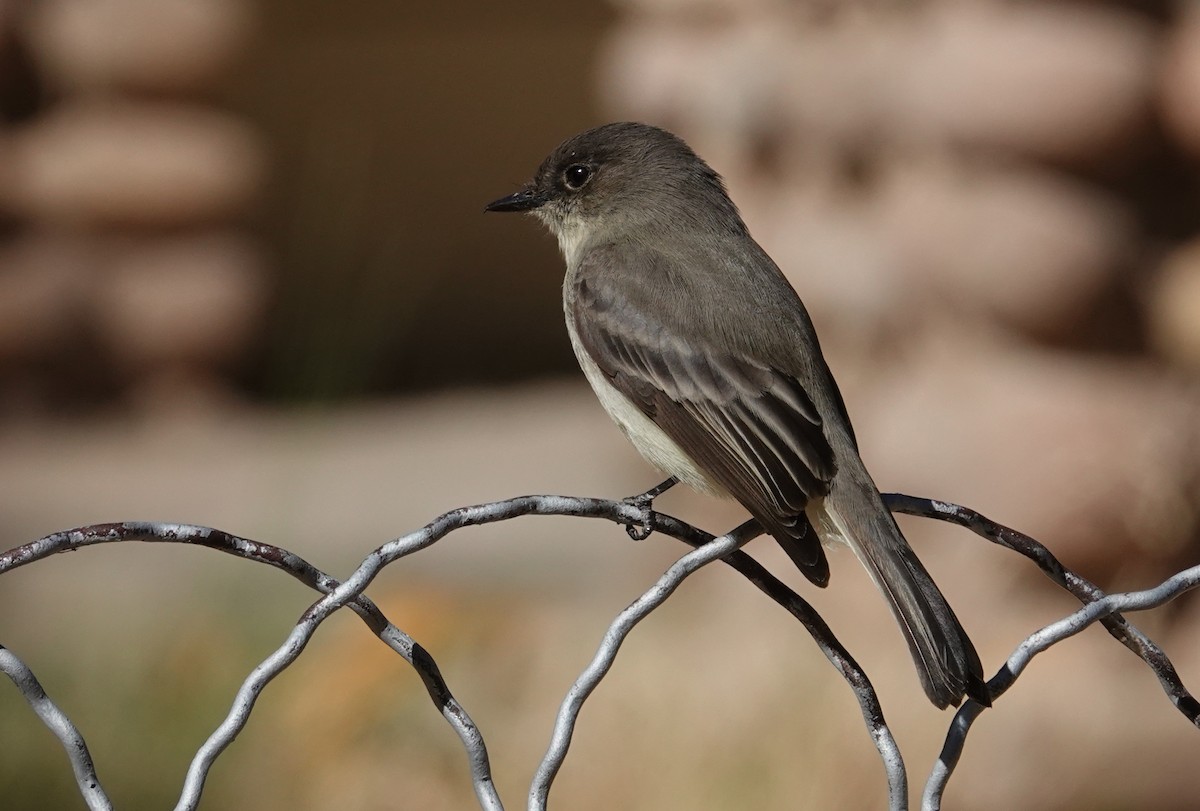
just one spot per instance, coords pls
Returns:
(1107, 609)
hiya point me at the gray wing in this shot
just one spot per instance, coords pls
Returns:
(751, 428)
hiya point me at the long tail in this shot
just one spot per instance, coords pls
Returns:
(945, 658)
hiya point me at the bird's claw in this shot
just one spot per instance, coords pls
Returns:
(645, 504)
(645, 528)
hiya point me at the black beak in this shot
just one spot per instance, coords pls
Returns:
(524, 200)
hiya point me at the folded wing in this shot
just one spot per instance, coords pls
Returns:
(751, 428)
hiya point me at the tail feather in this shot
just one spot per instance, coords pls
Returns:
(946, 660)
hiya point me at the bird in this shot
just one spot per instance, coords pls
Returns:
(704, 355)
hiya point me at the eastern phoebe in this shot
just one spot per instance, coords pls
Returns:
(703, 354)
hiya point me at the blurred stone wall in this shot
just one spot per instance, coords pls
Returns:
(279, 198)
(125, 271)
(990, 209)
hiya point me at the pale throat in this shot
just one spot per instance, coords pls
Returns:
(570, 232)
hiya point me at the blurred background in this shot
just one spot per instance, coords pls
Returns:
(246, 282)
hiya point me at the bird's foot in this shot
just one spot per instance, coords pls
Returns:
(645, 503)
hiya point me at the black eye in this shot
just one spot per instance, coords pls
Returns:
(576, 175)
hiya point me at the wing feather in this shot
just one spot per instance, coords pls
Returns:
(753, 429)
